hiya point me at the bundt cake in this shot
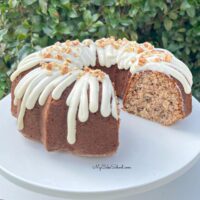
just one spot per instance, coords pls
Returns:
(63, 95)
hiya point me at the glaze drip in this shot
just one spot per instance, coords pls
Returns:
(128, 55)
(37, 85)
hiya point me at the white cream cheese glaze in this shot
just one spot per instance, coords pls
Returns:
(167, 69)
(125, 54)
(156, 61)
(37, 85)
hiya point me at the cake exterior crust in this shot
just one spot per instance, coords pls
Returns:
(95, 138)
(48, 124)
(119, 77)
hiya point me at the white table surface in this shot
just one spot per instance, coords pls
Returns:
(186, 187)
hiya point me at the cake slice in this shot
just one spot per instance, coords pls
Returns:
(157, 97)
(159, 88)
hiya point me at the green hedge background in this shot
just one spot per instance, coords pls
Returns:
(26, 25)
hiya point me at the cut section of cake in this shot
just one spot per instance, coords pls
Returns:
(159, 88)
(157, 97)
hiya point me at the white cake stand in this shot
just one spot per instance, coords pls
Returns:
(149, 155)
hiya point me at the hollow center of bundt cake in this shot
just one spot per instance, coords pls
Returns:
(154, 96)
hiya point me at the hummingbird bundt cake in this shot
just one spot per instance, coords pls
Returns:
(65, 95)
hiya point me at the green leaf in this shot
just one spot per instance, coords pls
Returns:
(21, 32)
(47, 30)
(168, 24)
(64, 2)
(12, 3)
(2, 66)
(29, 2)
(147, 6)
(43, 5)
(97, 24)
(2, 33)
(185, 5)
(92, 29)
(72, 13)
(134, 36)
(87, 16)
(35, 19)
(125, 22)
(173, 15)
(96, 2)
(64, 28)
(95, 17)
(25, 50)
(54, 14)
(164, 39)
(109, 2)
(114, 22)
(191, 12)
(182, 30)
(133, 12)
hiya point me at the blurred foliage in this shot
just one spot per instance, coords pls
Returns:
(26, 25)
(4, 85)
